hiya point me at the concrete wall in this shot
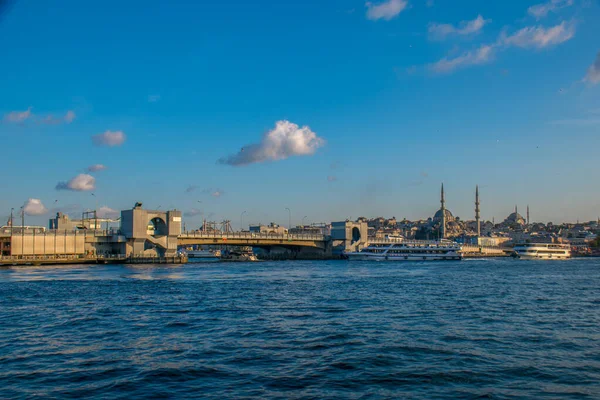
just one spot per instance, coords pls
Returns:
(49, 244)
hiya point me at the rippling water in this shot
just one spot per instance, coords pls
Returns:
(477, 328)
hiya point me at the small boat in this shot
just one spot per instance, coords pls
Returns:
(542, 251)
(239, 255)
(204, 254)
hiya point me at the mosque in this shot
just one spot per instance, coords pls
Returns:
(450, 226)
(516, 219)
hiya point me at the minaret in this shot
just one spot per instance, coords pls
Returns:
(516, 212)
(443, 227)
(528, 214)
(477, 210)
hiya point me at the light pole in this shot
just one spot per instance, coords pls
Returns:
(95, 214)
(201, 215)
(303, 218)
(289, 219)
(242, 221)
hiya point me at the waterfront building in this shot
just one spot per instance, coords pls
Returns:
(63, 222)
(271, 228)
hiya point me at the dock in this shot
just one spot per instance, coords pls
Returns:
(72, 260)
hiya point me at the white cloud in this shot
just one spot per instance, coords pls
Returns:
(473, 27)
(541, 10)
(81, 183)
(109, 138)
(107, 212)
(539, 37)
(52, 120)
(482, 55)
(217, 193)
(286, 140)
(385, 10)
(18, 116)
(593, 72)
(536, 37)
(70, 116)
(34, 207)
(95, 168)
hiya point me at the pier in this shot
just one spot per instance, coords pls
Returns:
(74, 259)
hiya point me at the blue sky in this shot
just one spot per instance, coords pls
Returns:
(334, 109)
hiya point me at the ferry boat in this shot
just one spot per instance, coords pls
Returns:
(542, 251)
(204, 254)
(393, 250)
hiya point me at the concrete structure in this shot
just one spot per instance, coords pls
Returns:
(63, 222)
(143, 235)
(348, 236)
(199, 238)
(150, 233)
(271, 246)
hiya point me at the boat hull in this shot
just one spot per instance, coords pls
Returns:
(377, 257)
(204, 255)
(543, 257)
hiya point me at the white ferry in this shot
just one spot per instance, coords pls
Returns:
(543, 251)
(393, 250)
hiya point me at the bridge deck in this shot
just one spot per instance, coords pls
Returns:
(251, 239)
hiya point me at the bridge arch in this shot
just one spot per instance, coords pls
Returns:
(356, 235)
(157, 227)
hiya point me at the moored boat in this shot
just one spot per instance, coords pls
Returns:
(244, 254)
(542, 251)
(393, 250)
(204, 254)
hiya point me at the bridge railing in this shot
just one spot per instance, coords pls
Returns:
(250, 235)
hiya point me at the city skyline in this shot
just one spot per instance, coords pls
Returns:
(334, 110)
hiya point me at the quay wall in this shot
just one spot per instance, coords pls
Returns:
(31, 245)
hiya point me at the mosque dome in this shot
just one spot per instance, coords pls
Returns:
(515, 218)
(438, 216)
